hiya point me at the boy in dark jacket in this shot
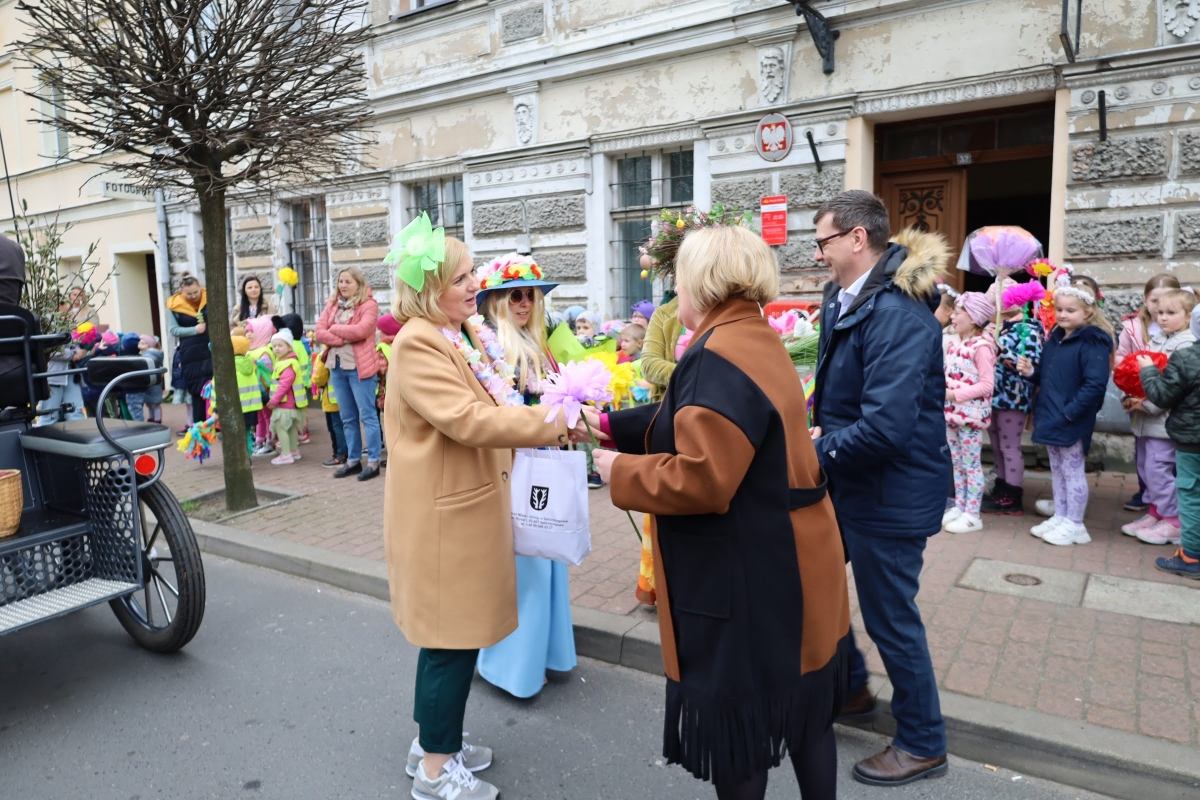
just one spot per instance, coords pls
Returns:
(1178, 388)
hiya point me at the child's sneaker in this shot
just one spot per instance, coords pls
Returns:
(1042, 528)
(475, 759)
(295, 455)
(264, 449)
(303, 439)
(1045, 507)
(1162, 532)
(334, 462)
(283, 460)
(455, 781)
(1180, 564)
(1139, 524)
(1067, 533)
(594, 481)
(964, 523)
(1136, 503)
(952, 513)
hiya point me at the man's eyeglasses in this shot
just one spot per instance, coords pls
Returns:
(826, 239)
(517, 295)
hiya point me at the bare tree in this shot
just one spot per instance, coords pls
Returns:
(207, 96)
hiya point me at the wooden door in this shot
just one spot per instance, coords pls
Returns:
(935, 200)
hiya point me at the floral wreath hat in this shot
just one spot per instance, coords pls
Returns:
(510, 271)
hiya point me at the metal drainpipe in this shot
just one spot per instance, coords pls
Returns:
(164, 282)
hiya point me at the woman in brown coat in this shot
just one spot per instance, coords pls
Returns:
(749, 568)
(447, 510)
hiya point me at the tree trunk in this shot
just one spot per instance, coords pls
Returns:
(239, 480)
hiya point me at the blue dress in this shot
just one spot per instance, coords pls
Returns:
(544, 638)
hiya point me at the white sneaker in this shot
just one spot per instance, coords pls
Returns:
(952, 513)
(1045, 507)
(475, 759)
(1042, 528)
(454, 781)
(1161, 532)
(1067, 533)
(964, 523)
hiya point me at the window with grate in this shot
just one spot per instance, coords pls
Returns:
(644, 185)
(309, 256)
(442, 200)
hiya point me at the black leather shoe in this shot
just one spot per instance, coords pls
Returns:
(369, 472)
(894, 767)
(348, 470)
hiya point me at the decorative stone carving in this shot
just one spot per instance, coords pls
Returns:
(797, 254)
(810, 188)
(1194, 83)
(177, 250)
(563, 265)
(493, 219)
(525, 112)
(1159, 87)
(741, 193)
(1088, 97)
(1189, 153)
(1109, 236)
(1122, 93)
(556, 213)
(773, 71)
(647, 140)
(372, 194)
(524, 23)
(252, 243)
(997, 87)
(1180, 16)
(1120, 157)
(373, 231)
(342, 236)
(1187, 233)
(528, 171)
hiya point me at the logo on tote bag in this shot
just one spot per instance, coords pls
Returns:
(539, 496)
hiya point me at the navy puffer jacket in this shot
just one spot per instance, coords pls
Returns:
(1071, 381)
(880, 395)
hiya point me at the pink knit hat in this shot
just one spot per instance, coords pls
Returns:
(979, 307)
(388, 325)
(109, 338)
(261, 330)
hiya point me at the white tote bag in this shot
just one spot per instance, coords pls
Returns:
(550, 505)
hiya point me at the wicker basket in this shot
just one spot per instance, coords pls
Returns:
(12, 500)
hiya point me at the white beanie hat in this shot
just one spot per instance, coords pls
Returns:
(283, 335)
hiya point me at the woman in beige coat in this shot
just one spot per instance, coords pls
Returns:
(447, 509)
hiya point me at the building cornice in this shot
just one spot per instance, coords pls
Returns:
(974, 89)
(1159, 62)
(647, 138)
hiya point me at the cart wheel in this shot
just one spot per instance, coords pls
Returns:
(166, 614)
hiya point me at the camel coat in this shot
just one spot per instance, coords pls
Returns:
(447, 506)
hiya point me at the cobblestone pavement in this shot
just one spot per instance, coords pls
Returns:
(1109, 669)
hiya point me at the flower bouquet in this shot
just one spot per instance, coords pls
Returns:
(667, 232)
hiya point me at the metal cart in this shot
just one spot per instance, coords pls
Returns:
(98, 523)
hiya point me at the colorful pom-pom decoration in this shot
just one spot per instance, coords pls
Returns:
(1022, 293)
(288, 276)
(197, 442)
(1127, 375)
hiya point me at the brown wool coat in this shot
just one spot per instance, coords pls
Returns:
(749, 567)
(447, 505)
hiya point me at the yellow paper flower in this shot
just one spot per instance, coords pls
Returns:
(680, 224)
(623, 378)
(288, 276)
(645, 274)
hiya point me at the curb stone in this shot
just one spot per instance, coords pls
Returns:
(1104, 760)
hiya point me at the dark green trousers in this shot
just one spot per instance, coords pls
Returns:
(443, 683)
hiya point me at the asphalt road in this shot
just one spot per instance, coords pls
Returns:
(293, 690)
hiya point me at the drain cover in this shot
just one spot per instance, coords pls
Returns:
(1021, 579)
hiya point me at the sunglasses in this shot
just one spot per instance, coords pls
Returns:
(827, 239)
(517, 295)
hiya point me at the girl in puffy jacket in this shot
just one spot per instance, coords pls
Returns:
(970, 364)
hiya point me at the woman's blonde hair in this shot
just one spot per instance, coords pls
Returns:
(524, 347)
(411, 304)
(715, 264)
(363, 292)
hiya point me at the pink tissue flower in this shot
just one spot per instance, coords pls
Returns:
(784, 323)
(577, 383)
(1022, 293)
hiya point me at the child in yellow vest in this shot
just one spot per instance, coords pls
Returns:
(288, 398)
(248, 387)
(329, 404)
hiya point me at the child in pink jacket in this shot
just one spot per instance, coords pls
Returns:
(288, 398)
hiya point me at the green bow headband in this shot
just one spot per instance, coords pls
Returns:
(417, 249)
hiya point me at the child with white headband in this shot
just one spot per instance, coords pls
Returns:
(1072, 378)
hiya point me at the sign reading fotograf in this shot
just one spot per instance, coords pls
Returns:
(773, 137)
(774, 219)
(126, 191)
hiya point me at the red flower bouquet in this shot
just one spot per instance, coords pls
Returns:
(1126, 376)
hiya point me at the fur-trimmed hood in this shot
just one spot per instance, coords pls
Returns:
(928, 255)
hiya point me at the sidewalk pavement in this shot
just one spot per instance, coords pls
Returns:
(1064, 662)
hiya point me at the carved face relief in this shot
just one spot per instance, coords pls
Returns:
(1180, 15)
(771, 75)
(524, 117)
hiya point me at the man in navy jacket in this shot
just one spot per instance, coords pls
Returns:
(880, 433)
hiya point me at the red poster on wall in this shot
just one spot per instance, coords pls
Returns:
(774, 219)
